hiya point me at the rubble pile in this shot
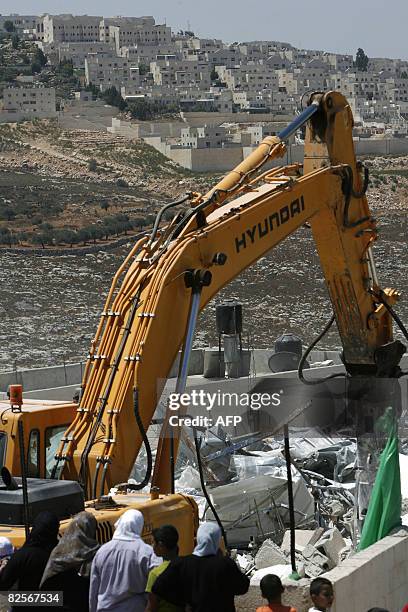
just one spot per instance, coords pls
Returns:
(248, 489)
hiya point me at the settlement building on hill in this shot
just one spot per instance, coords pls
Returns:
(28, 103)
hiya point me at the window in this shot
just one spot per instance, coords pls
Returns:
(33, 454)
(53, 437)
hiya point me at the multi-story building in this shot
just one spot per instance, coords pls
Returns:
(105, 70)
(23, 24)
(69, 28)
(78, 51)
(134, 34)
(29, 102)
(106, 22)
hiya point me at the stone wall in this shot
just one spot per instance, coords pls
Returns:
(375, 577)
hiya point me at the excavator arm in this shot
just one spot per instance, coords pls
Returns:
(148, 313)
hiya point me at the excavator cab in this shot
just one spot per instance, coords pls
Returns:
(44, 424)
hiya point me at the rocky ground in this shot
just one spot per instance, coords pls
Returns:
(50, 305)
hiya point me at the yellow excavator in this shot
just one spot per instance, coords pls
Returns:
(168, 277)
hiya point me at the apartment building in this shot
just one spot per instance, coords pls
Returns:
(77, 52)
(106, 22)
(106, 70)
(131, 34)
(22, 23)
(29, 102)
(70, 28)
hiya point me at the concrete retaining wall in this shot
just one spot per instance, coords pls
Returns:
(71, 374)
(388, 146)
(375, 577)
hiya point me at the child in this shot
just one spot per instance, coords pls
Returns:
(165, 545)
(321, 594)
(272, 589)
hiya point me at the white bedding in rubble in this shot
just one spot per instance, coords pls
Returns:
(283, 571)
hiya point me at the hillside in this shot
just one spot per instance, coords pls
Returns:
(55, 181)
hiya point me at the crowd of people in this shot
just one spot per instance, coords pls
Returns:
(128, 575)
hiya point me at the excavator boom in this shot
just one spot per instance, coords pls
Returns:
(182, 266)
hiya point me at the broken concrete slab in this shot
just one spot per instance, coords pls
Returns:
(315, 562)
(331, 544)
(303, 537)
(269, 554)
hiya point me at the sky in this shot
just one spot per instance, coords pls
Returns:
(341, 26)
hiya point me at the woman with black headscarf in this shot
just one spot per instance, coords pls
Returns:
(26, 566)
(69, 565)
(206, 581)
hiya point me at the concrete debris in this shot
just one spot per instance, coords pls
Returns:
(248, 488)
(315, 562)
(303, 537)
(331, 544)
(269, 554)
(245, 562)
(258, 507)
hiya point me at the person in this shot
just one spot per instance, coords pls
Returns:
(272, 589)
(165, 540)
(26, 566)
(6, 550)
(321, 594)
(121, 567)
(207, 581)
(69, 566)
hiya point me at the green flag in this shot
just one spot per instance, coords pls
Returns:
(384, 510)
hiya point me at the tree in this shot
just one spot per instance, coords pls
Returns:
(35, 67)
(67, 236)
(40, 57)
(113, 98)
(66, 69)
(43, 238)
(4, 235)
(9, 26)
(141, 110)
(92, 165)
(7, 213)
(15, 41)
(95, 232)
(83, 235)
(362, 60)
(214, 76)
(143, 69)
(104, 205)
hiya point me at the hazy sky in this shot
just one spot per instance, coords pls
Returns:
(379, 26)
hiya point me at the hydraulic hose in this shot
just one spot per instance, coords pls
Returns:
(204, 488)
(145, 481)
(305, 355)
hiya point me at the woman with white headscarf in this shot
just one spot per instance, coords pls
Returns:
(207, 581)
(121, 567)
